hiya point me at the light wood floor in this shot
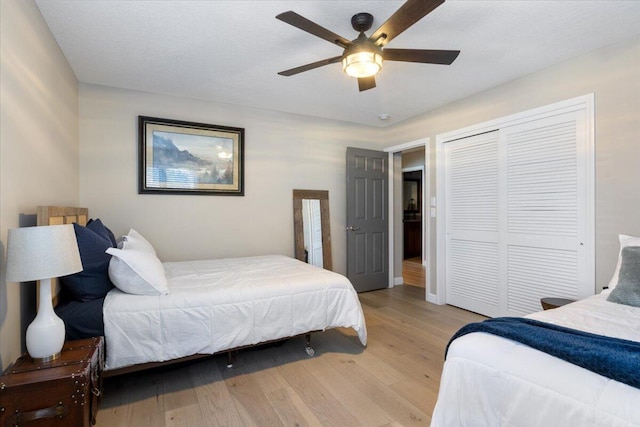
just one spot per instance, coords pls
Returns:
(413, 272)
(392, 382)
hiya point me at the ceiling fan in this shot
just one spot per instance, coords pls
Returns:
(362, 57)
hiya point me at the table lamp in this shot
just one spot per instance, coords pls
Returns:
(40, 253)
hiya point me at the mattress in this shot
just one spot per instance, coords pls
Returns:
(492, 381)
(217, 305)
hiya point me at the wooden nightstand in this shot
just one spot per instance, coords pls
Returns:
(549, 303)
(62, 392)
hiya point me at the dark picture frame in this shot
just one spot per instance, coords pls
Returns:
(178, 157)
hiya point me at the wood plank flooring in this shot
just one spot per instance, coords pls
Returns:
(413, 272)
(392, 382)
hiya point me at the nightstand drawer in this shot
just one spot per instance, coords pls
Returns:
(63, 392)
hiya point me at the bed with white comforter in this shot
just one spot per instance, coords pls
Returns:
(217, 305)
(492, 381)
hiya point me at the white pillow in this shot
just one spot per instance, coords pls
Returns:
(134, 240)
(137, 272)
(624, 241)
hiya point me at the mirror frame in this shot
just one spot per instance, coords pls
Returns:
(298, 234)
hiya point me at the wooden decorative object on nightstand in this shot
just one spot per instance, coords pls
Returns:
(62, 392)
(549, 303)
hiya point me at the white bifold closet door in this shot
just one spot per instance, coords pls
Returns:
(516, 216)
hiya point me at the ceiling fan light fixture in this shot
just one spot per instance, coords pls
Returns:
(362, 58)
(362, 64)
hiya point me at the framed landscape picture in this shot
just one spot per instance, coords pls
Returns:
(177, 157)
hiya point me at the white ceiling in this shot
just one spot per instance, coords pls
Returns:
(231, 51)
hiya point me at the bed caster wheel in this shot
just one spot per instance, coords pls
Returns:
(310, 351)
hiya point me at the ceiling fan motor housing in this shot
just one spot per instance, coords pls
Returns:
(362, 21)
(362, 44)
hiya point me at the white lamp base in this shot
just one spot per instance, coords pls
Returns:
(45, 335)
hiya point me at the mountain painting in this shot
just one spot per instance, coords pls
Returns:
(190, 158)
(185, 161)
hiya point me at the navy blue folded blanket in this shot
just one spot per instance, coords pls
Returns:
(610, 357)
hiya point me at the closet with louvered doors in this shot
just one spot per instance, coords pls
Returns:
(517, 215)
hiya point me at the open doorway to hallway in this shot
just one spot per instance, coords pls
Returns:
(412, 217)
(410, 214)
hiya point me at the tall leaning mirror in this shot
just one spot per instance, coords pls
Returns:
(312, 233)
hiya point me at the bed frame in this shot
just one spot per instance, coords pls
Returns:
(59, 215)
(230, 357)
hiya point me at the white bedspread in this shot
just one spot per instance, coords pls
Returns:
(216, 305)
(492, 381)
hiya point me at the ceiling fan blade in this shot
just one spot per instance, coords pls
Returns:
(366, 83)
(408, 14)
(311, 27)
(311, 66)
(426, 56)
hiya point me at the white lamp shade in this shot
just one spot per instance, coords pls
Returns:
(35, 253)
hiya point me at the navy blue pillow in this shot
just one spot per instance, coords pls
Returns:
(93, 281)
(82, 319)
(97, 226)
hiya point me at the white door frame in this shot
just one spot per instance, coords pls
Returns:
(585, 102)
(426, 228)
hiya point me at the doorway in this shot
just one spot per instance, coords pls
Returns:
(412, 215)
(412, 219)
(411, 158)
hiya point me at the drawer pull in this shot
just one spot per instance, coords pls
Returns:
(20, 418)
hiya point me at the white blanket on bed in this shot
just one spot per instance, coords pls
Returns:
(492, 381)
(216, 305)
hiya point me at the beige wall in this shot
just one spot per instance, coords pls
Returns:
(38, 141)
(613, 75)
(282, 152)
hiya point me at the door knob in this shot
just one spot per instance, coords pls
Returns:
(351, 228)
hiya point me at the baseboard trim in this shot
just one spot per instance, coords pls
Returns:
(398, 281)
(432, 298)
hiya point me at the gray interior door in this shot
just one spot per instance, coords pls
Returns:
(367, 219)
